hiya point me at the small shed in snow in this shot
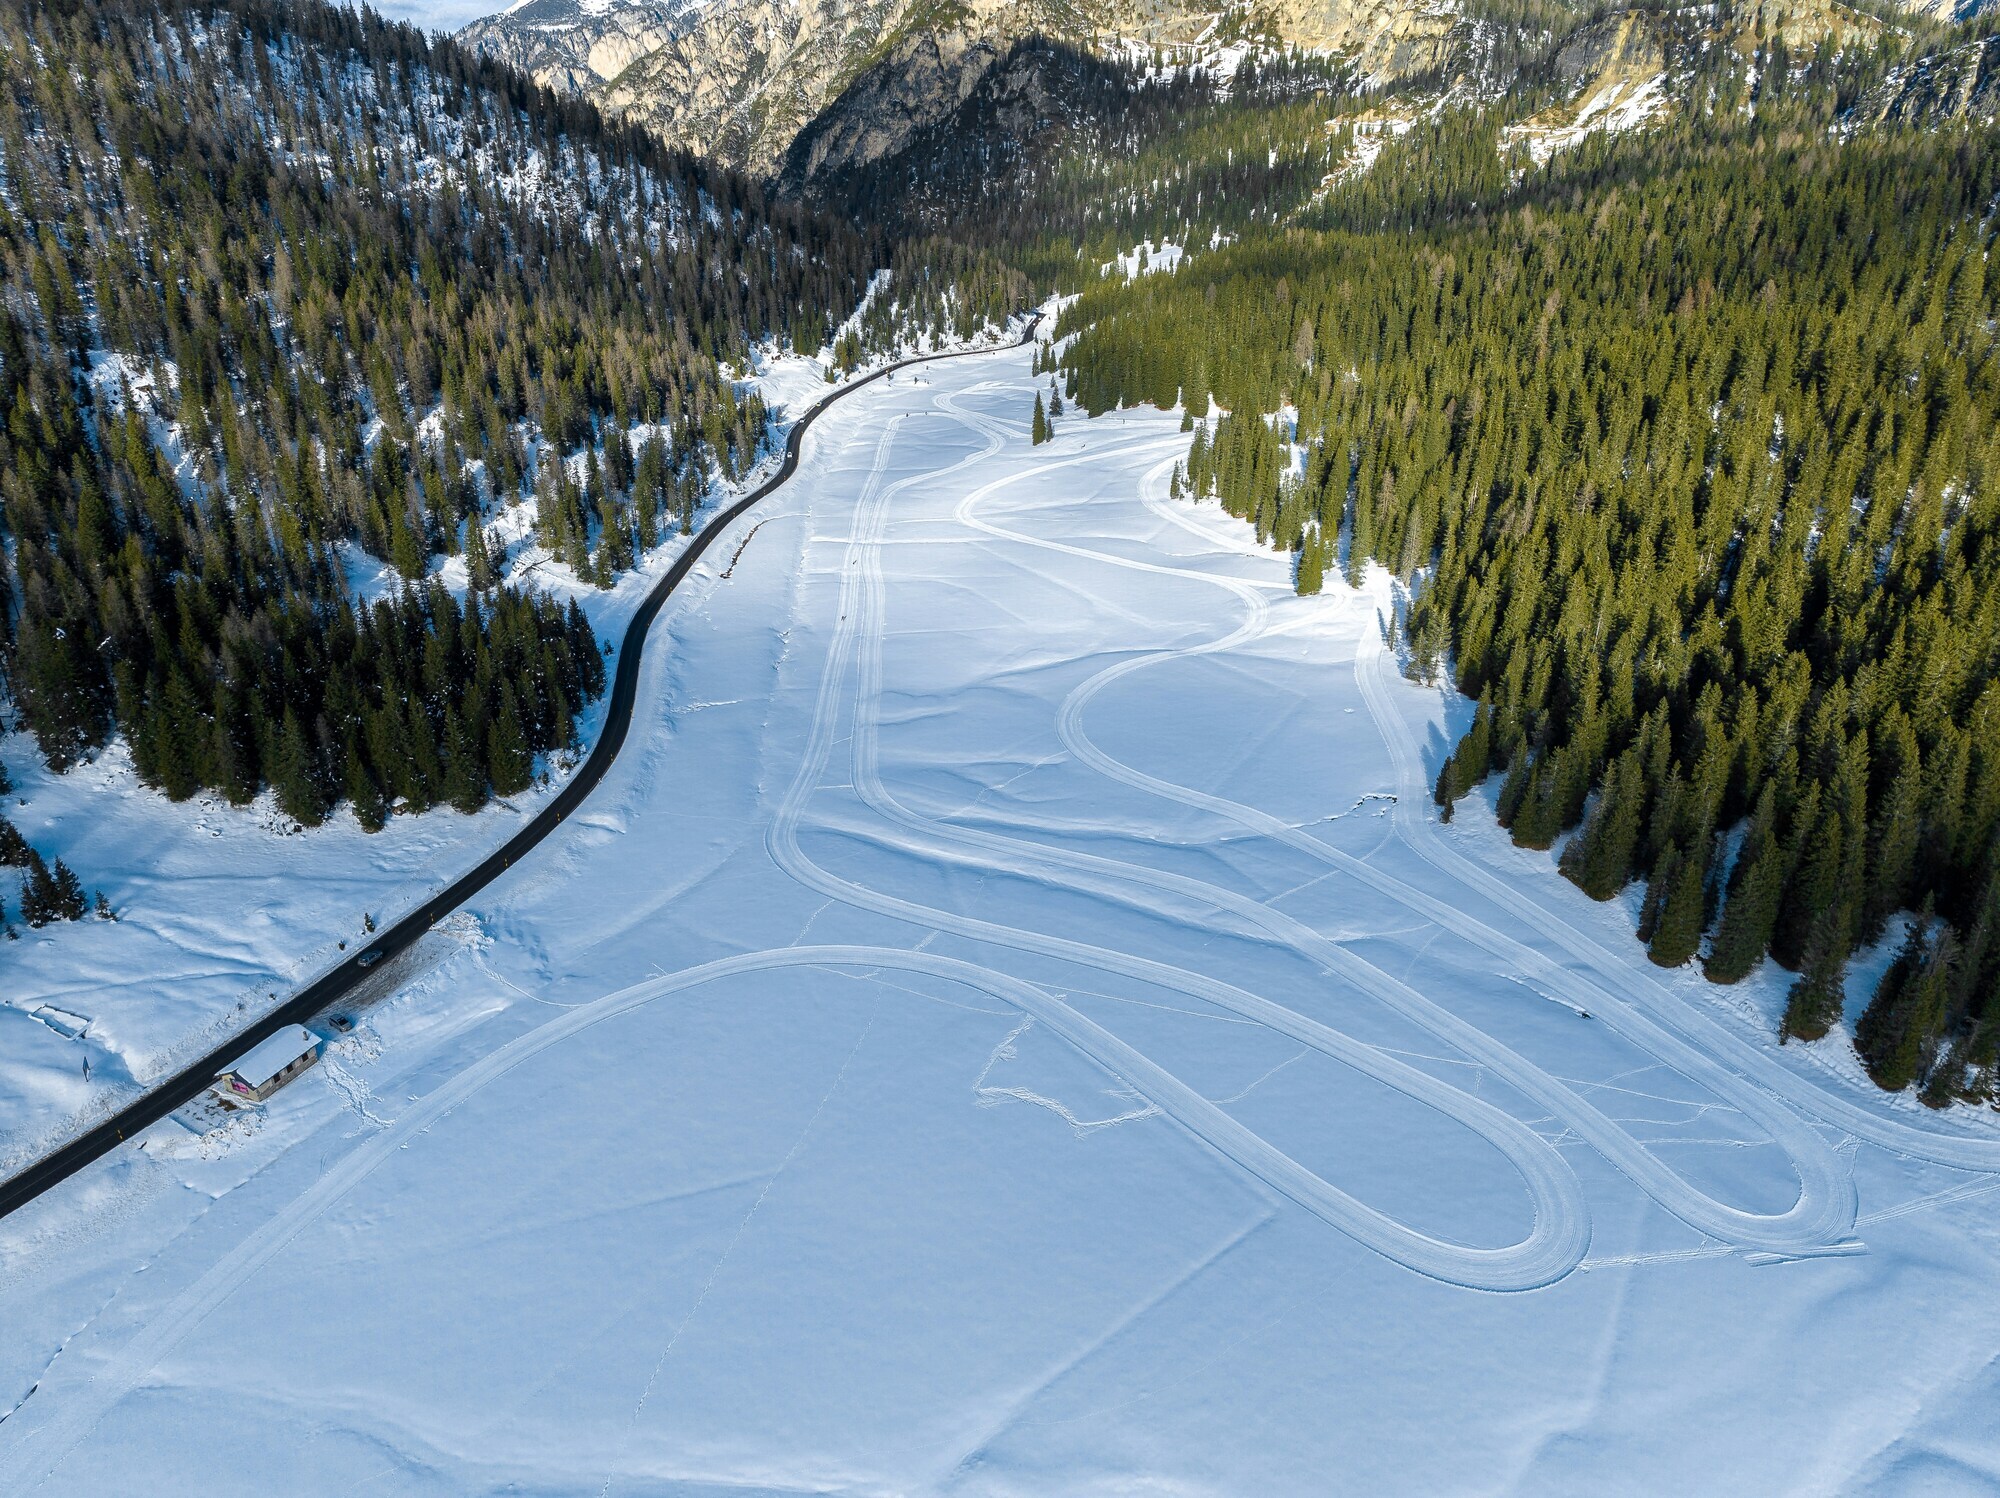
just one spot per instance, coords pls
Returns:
(266, 1067)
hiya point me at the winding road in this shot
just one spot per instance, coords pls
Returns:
(862, 748)
(334, 984)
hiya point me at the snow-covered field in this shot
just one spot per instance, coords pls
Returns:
(1009, 1024)
(216, 924)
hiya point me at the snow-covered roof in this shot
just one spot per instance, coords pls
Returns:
(264, 1061)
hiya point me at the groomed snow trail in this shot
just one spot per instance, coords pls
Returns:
(1821, 1219)
(748, 1226)
(1561, 1231)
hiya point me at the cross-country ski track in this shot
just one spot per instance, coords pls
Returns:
(1319, 1032)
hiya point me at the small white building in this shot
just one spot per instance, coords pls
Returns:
(265, 1068)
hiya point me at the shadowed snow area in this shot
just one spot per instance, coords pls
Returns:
(1010, 1024)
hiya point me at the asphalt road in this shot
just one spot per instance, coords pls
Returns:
(332, 986)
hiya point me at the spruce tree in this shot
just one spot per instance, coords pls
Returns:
(1659, 886)
(1309, 574)
(1896, 1032)
(38, 892)
(510, 762)
(371, 808)
(1038, 431)
(66, 898)
(1814, 1004)
(294, 776)
(464, 771)
(1751, 908)
(1598, 860)
(1677, 930)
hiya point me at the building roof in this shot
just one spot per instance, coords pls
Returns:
(264, 1061)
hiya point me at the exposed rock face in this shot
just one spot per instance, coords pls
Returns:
(1627, 45)
(1803, 24)
(952, 115)
(923, 79)
(737, 79)
(740, 79)
(749, 74)
(1388, 39)
(578, 44)
(819, 89)
(1960, 84)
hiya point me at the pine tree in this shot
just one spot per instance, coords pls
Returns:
(1659, 886)
(1893, 839)
(1677, 931)
(66, 893)
(1309, 575)
(464, 773)
(1445, 793)
(38, 892)
(371, 808)
(1815, 886)
(294, 776)
(1038, 431)
(1598, 860)
(1814, 1005)
(1897, 1031)
(511, 763)
(1538, 820)
(1751, 909)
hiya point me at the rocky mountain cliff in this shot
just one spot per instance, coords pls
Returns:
(740, 79)
(814, 91)
(1961, 83)
(577, 44)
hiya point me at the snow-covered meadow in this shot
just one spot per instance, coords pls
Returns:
(1010, 1024)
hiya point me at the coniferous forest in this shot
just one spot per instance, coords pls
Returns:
(1687, 448)
(282, 286)
(1681, 441)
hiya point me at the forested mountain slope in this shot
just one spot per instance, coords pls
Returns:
(1685, 444)
(284, 284)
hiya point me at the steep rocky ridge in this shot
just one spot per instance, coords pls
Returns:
(740, 79)
(816, 91)
(1960, 83)
(577, 44)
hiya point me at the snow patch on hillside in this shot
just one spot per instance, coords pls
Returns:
(1617, 105)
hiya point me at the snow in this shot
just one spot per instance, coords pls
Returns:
(1010, 1024)
(1619, 105)
(214, 926)
(272, 1055)
(1371, 133)
(1148, 259)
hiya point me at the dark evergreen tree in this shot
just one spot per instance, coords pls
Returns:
(1677, 929)
(1751, 908)
(295, 776)
(1896, 1032)
(1598, 860)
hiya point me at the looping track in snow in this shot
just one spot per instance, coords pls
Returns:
(863, 799)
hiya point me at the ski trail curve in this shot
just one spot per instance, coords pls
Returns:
(1420, 833)
(40, 1453)
(1822, 1216)
(1560, 1234)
